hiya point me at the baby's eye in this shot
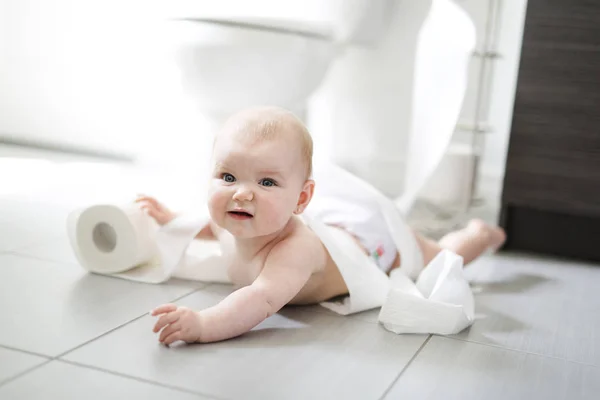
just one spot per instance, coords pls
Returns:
(267, 182)
(228, 178)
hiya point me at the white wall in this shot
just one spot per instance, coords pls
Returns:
(77, 72)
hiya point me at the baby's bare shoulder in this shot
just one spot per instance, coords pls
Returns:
(301, 247)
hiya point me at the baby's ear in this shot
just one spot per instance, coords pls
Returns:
(305, 196)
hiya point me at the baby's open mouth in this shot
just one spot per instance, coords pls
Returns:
(240, 214)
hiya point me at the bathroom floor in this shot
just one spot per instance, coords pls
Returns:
(68, 334)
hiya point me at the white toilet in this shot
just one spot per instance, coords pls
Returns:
(237, 54)
(279, 56)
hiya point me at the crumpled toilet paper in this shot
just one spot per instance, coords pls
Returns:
(440, 302)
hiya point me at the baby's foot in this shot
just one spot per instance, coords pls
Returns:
(494, 235)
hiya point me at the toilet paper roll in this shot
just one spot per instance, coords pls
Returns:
(124, 242)
(109, 239)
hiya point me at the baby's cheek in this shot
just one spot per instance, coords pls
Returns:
(217, 202)
(277, 210)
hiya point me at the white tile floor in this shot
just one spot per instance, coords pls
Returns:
(66, 334)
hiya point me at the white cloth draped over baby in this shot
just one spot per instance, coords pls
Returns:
(439, 302)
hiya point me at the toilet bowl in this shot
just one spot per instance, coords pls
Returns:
(226, 67)
(232, 61)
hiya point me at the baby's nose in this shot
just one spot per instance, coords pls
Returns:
(243, 194)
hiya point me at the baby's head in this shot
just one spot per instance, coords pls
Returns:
(262, 163)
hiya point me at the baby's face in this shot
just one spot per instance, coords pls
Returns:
(255, 184)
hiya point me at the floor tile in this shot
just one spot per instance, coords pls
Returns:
(453, 369)
(13, 236)
(58, 250)
(25, 222)
(370, 316)
(54, 307)
(16, 234)
(538, 305)
(13, 362)
(295, 354)
(58, 380)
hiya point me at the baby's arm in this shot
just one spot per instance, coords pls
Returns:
(284, 274)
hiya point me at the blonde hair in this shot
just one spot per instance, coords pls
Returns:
(268, 123)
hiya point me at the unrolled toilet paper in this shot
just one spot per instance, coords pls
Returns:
(125, 242)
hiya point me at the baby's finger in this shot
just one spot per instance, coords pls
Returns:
(168, 330)
(146, 206)
(146, 203)
(151, 211)
(142, 197)
(165, 320)
(173, 337)
(148, 199)
(162, 309)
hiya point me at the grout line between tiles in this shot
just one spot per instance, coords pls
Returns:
(97, 337)
(518, 351)
(49, 359)
(405, 367)
(20, 374)
(42, 241)
(26, 351)
(324, 311)
(136, 378)
(17, 254)
(205, 285)
(117, 327)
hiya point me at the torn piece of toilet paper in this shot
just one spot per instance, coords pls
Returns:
(440, 302)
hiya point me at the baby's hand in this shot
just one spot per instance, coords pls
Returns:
(160, 213)
(179, 323)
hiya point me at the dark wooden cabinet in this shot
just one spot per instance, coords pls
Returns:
(551, 193)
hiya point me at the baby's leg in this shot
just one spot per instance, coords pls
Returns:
(474, 240)
(469, 242)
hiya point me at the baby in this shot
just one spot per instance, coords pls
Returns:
(261, 183)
